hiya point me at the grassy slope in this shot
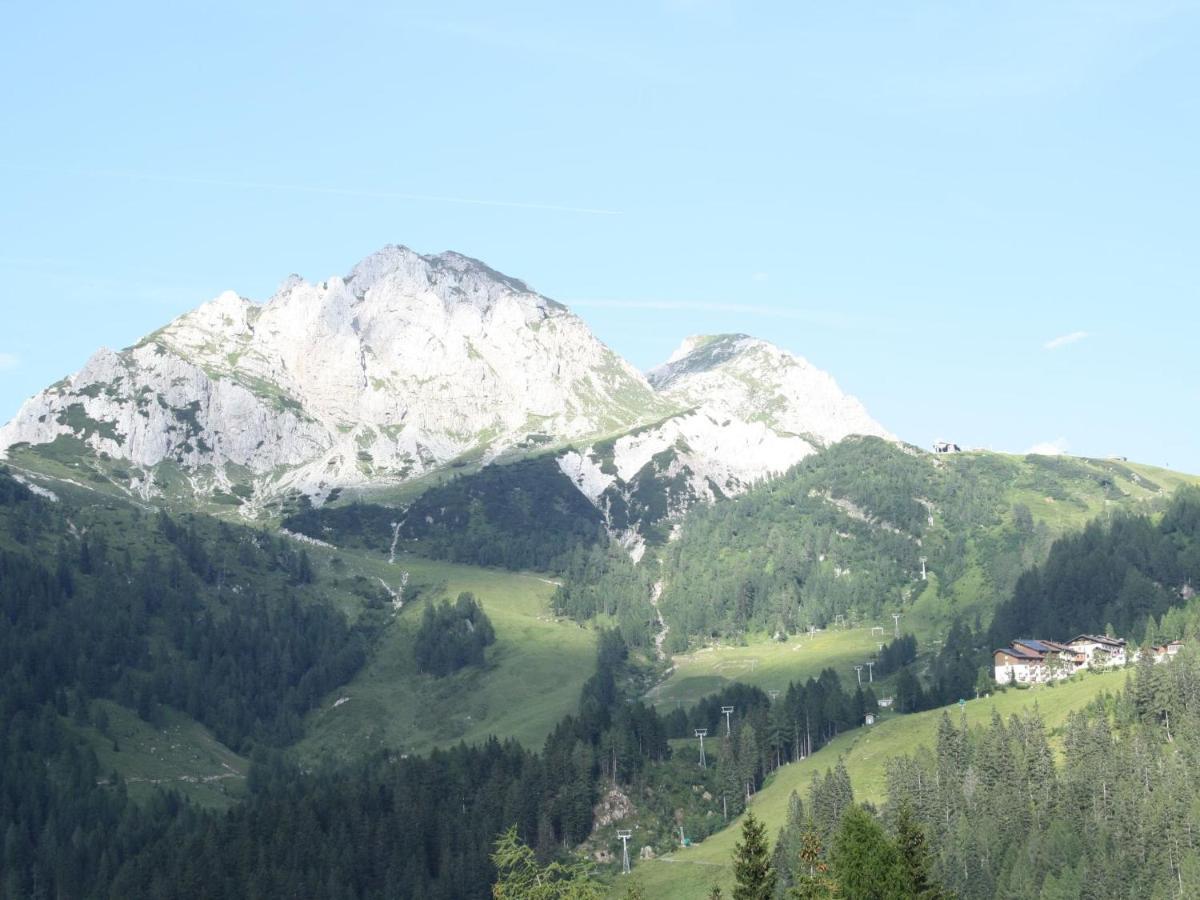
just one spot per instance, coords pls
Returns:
(766, 663)
(690, 872)
(769, 664)
(535, 669)
(182, 755)
(1061, 501)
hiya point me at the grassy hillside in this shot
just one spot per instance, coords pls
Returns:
(766, 664)
(534, 672)
(180, 755)
(844, 533)
(687, 874)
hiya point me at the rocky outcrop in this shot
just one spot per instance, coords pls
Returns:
(407, 364)
(751, 411)
(410, 364)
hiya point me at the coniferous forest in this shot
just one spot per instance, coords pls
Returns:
(164, 621)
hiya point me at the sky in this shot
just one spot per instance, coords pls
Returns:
(982, 219)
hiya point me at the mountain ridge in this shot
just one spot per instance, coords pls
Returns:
(415, 364)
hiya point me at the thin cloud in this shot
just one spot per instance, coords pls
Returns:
(1064, 339)
(335, 191)
(9, 361)
(812, 316)
(1056, 447)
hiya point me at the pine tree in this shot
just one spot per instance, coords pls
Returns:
(729, 779)
(522, 878)
(787, 848)
(752, 863)
(747, 758)
(812, 880)
(915, 857)
(866, 863)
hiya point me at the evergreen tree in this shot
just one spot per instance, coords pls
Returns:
(865, 862)
(748, 759)
(812, 880)
(785, 859)
(752, 863)
(729, 779)
(915, 857)
(521, 877)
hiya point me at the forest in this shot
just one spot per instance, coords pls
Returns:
(991, 810)
(452, 636)
(382, 826)
(522, 515)
(1114, 817)
(1119, 575)
(227, 624)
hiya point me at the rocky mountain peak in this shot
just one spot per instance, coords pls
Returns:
(407, 364)
(415, 363)
(452, 277)
(698, 353)
(756, 381)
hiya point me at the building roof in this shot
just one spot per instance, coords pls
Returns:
(1020, 653)
(1098, 639)
(1163, 647)
(1042, 646)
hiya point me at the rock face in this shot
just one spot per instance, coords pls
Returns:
(747, 379)
(411, 364)
(407, 364)
(750, 411)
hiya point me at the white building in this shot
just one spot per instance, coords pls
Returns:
(1099, 649)
(1030, 661)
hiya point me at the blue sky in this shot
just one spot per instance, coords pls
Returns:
(981, 218)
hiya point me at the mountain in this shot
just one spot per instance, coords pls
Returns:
(413, 366)
(408, 364)
(750, 411)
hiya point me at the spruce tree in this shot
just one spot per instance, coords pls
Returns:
(787, 847)
(752, 863)
(729, 779)
(915, 857)
(865, 862)
(747, 757)
(811, 878)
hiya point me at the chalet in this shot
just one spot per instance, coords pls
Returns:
(1166, 651)
(1030, 661)
(1099, 649)
(1017, 665)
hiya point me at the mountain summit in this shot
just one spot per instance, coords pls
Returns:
(412, 364)
(749, 411)
(753, 380)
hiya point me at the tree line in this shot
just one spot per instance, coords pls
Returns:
(1121, 574)
(1114, 817)
(520, 515)
(104, 601)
